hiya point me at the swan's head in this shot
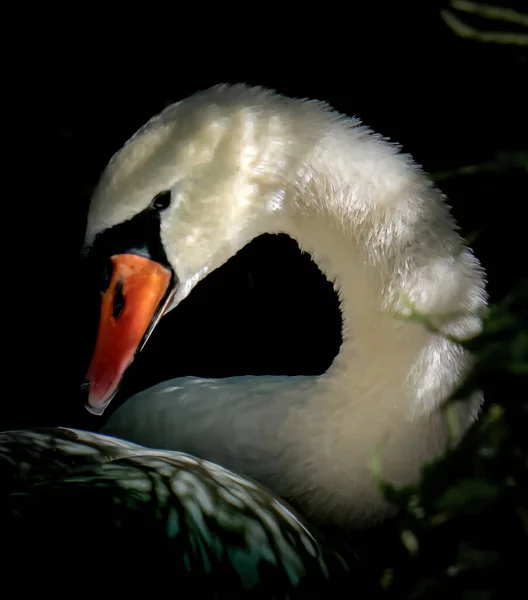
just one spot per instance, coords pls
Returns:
(185, 193)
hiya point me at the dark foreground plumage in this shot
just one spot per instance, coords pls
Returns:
(85, 509)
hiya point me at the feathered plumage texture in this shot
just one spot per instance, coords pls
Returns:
(72, 500)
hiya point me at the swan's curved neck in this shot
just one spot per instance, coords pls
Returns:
(385, 237)
(377, 349)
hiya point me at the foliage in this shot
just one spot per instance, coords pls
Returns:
(463, 531)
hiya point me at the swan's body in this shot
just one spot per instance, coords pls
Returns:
(70, 499)
(240, 162)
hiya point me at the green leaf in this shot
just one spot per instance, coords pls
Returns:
(469, 495)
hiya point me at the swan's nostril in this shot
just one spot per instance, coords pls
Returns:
(119, 300)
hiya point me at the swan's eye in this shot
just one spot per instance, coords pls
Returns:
(161, 201)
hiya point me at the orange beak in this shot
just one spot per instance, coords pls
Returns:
(131, 307)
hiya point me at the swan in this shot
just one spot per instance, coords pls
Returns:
(196, 184)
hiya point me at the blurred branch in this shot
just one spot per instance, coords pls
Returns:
(498, 13)
(486, 11)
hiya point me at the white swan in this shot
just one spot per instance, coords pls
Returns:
(194, 186)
